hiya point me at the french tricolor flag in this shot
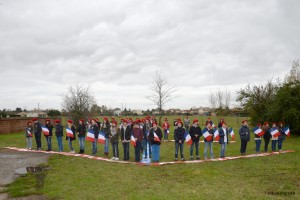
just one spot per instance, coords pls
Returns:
(69, 133)
(274, 132)
(258, 131)
(132, 141)
(45, 130)
(206, 134)
(188, 138)
(101, 137)
(216, 134)
(156, 138)
(29, 133)
(231, 134)
(286, 130)
(90, 136)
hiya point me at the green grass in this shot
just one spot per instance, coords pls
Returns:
(251, 178)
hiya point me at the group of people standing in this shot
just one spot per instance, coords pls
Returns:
(277, 138)
(146, 136)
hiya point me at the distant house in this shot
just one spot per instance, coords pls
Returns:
(117, 111)
(39, 114)
(137, 112)
(175, 111)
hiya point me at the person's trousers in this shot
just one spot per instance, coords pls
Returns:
(257, 145)
(49, 142)
(115, 148)
(267, 141)
(38, 141)
(126, 150)
(196, 144)
(178, 146)
(243, 146)
(137, 151)
(274, 144)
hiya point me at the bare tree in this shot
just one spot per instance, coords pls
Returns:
(294, 75)
(77, 102)
(220, 100)
(162, 93)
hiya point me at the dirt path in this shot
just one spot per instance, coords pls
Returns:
(14, 163)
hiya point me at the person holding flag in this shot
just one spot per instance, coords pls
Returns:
(106, 130)
(125, 138)
(166, 128)
(179, 139)
(224, 139)
(114, 139)
(267, 136)
(28, 135)
(81, 130)
(155, 136)
(245, 136)
(95, 128)
(208, 139)
(70, 134)
(138, 136)
(274, 137)
(49, 126)
(37, 130)
(283, 132)
(258, 132)
(59, 134)
(195, 133)
(146, 142)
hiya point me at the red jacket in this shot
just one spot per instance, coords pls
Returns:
(166, 125)
(138, 133)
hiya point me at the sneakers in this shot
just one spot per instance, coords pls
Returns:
(113, 158)
(192, 158)
(182, 159)
(116, 158)
(197, 158)
(175, 159)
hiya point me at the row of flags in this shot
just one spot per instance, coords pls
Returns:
(274, 131)
(101, 137)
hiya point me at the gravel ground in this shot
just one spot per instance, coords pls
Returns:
(13, 164)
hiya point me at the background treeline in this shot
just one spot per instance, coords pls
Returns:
(274, 101)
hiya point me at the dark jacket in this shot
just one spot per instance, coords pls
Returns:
(30, 129)
(37, 128)
(114, 138)
(106, 129)
(222, 135)
(125, 133)
(146, 130)
(179, 134)
(210, 131)
(59, 131)
(151, 135)
(282, 134)
(81, 129)
(74, 133)
(50, 128)
(137, 133)
(195, 131)
(95, 128)
(267, 135)
(244, 133)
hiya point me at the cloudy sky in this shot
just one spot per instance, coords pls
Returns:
(115, 46)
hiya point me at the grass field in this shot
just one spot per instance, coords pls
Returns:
(253, 178)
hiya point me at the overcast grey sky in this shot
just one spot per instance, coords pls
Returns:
(116, 46)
